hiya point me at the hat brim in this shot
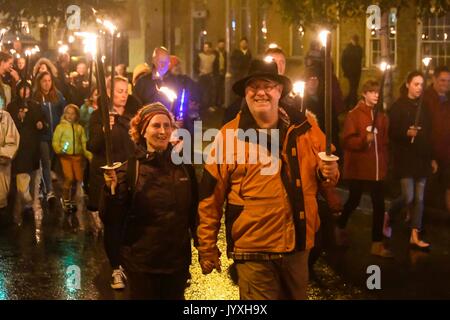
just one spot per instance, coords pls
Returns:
(239, 86)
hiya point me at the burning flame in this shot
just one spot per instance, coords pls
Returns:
(170, 94)
(323, 37)
(384, 66)
(299, 88)
(426, 61)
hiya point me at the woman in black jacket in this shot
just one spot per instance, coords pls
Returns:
(160, 199)
(125, 107)
(412, 159)
(29, 120)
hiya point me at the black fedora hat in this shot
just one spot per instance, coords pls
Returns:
(264, 70)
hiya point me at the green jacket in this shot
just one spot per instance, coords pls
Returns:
(70, 138)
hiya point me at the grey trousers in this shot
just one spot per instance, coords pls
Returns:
(280, 279)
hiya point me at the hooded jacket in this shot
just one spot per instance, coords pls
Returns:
(70, 139)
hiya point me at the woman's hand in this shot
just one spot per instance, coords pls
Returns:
(110, 179)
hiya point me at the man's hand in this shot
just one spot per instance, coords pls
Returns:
(39, 125)
(412, 132)
(209, 264)
(110, 179)
(329, 169)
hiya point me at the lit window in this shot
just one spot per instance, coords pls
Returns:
(373, 42)
(435, 44)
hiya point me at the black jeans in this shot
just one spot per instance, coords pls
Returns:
(356, 189)
(113, 237)
(152, 286)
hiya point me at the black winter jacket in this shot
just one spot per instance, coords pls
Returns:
(161, 210)
(122, 147)
(411, 160)
(28, 155)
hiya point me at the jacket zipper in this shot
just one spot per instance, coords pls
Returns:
(376, 151)
(73, 137)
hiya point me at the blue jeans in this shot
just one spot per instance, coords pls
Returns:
(412, 196)
(46, 163)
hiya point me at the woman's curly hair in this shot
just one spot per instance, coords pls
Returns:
(139, 123)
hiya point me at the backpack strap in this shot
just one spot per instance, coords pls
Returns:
(132, 177)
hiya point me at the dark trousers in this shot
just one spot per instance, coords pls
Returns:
(208, 86)
(113, 236)
(356, 189)
(220, 90)
(150, 286)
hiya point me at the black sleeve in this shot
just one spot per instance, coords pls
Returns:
(96, 143)
(397, 125)
(117, 204)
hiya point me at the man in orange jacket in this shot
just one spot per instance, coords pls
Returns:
(271, 212)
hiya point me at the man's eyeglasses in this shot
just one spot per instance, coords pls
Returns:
(267, 87)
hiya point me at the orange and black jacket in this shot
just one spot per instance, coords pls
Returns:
(266, 214)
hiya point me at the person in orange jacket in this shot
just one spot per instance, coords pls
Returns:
(271, 212)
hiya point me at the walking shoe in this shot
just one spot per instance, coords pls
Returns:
(387, 229)
(379, 249)
(118, 279)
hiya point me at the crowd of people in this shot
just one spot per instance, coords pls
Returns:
(149, 209)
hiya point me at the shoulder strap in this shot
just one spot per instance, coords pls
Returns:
(132, 175)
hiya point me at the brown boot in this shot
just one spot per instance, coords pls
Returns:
(379, 249)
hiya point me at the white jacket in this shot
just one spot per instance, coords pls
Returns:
(9, 136)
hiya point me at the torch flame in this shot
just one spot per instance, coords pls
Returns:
(62, 49)
(426, 61)
(89, 42)
(170, 94)
(268, 59)
(323, 37)
(299, 88)
(384, 66)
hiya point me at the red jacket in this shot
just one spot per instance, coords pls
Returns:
(440, 124)
(361, 160)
